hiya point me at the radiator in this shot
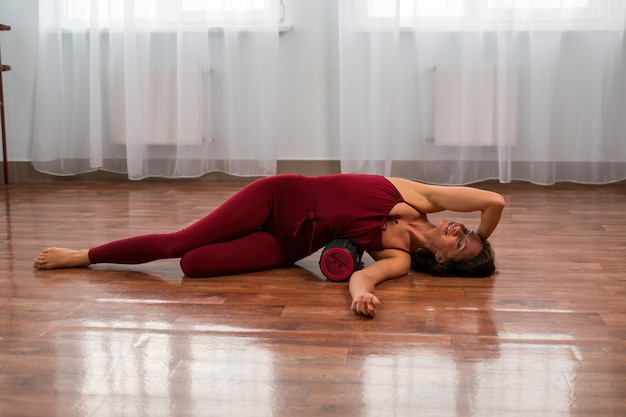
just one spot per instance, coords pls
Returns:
(473, 108)
(161, 119)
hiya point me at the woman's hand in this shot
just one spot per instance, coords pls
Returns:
(365, 304)
(389, 263)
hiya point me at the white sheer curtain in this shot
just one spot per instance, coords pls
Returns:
(168, 88)
(459, 91)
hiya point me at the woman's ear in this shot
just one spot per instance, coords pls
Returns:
(439, 258)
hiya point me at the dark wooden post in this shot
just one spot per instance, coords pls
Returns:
(5, 163)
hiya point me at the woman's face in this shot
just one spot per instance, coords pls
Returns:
(454, 241)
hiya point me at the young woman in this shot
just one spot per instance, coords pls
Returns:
(276, 221)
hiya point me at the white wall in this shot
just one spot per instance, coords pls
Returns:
(309, 101)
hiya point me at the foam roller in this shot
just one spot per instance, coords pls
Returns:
(339, 259)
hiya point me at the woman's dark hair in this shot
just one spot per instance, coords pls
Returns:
(480, 266)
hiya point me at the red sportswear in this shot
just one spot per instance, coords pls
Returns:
(270, 223)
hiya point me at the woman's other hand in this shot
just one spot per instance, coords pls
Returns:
(365, 304)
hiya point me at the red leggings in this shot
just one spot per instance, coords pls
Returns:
(251, 231)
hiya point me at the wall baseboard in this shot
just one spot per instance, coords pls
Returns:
(23, 173)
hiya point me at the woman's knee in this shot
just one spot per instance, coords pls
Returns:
(194, 266)
(255, 252)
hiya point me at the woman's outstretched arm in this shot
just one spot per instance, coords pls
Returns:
(390, 264)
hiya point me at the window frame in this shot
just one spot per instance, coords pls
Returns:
(163, 14)
(479, 15)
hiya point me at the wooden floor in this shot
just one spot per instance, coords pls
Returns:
(545, 337)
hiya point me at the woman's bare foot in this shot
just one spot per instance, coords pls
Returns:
(53, 258)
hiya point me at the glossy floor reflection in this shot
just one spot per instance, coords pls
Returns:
(546, 337)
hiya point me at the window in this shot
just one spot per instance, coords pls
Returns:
(167, 13)
(485, 14)
(573, 13)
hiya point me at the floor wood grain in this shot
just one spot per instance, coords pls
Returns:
(545, 337)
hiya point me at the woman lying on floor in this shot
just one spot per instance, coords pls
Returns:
(278, 220)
